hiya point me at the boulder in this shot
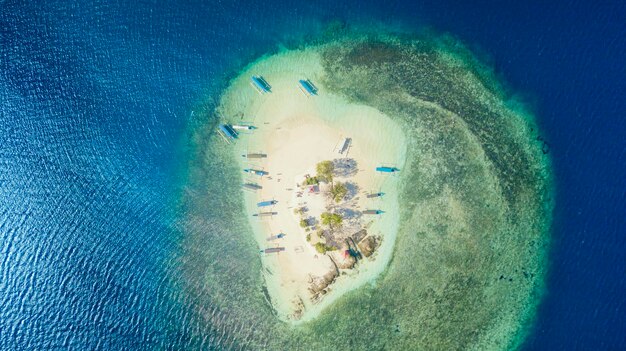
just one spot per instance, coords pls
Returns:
(368, 245)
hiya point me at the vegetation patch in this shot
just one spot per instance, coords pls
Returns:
(325, 171)
(338, 191)
(323, 248)
(333, 220)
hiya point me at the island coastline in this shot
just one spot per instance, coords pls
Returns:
(297, 131)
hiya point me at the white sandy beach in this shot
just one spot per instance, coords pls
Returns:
(297, 132)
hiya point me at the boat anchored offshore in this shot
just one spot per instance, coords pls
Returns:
(307, 87)
(260, 84)
(255, 171)
(373, 195)
(385, 169)
(267, 203)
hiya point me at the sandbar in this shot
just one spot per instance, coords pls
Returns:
(297, 131)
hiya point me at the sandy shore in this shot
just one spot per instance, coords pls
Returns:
(297, 131)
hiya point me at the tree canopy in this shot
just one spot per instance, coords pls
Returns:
(325, 170)
(339, 191)
(331, 219)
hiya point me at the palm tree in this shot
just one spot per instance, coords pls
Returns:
(325, 171)
(331, 220)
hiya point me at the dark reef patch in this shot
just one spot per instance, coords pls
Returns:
(475, 188)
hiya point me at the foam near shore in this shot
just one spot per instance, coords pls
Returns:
(298, 131)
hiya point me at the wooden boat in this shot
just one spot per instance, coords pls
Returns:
(275, 237)
(373, 195)
(345, 146)
(253, 155)
(252, 186)
(273, 250)
(266, 203)
(373, 212)
(227, 132)
(265, 214)
(260, 84)
(307, 87)
(255, 171)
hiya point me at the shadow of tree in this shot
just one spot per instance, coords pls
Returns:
(312, 221)
(348, 213)
(353, 190)
(344, 167)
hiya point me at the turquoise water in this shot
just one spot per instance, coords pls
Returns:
(475, 217)
(110, 224)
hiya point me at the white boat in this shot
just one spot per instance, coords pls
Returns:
(242, 127)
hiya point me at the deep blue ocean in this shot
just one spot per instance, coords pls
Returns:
(98, 101)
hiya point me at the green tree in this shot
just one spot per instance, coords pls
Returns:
(323, 248)
(339, 191)
(311, 181)
(325, 170)
(331, 219)
(304, 223)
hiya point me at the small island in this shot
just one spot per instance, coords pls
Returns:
(373, 192)
(319, 181)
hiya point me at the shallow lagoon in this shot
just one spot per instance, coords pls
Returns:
(468, 265)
